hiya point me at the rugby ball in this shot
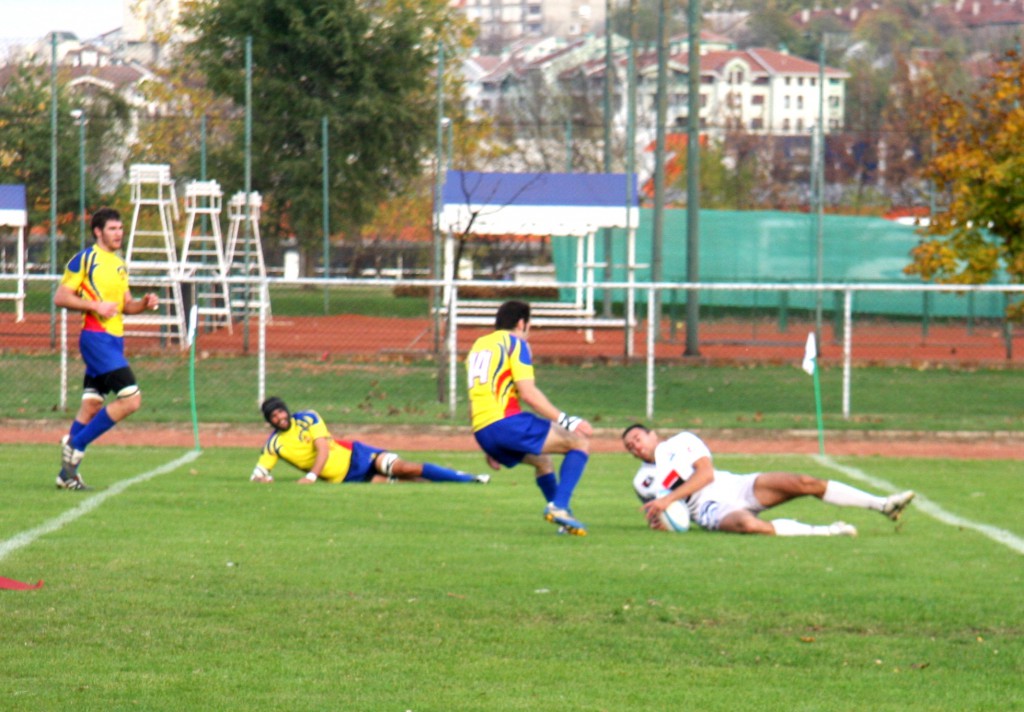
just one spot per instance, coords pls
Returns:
(676, 517)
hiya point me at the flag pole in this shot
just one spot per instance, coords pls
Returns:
(193, 318)
(817, 409)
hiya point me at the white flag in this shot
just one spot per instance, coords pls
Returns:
(810, 355)
(193, 317)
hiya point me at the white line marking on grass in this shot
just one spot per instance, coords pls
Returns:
(1000, 536)
(27, 537)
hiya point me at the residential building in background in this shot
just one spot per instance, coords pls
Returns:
(503, 21)
(760, 90)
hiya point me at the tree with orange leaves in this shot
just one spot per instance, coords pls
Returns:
(979, 167)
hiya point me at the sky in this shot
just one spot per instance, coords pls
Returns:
(32, 19)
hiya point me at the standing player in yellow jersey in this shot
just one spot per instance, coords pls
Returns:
(95, 283)
(301, 439)
(500, 370)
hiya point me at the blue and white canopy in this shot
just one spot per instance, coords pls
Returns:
(13, 212)
(536, 203)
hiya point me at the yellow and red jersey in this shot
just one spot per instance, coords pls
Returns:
(296, 447)
(494, 365)
(100, 276)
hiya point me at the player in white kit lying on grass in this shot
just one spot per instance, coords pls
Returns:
(679, 470)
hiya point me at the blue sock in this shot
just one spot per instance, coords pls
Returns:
(569, 475)
(436, 473)
(100, 424)
(76, 427)
(548, 486)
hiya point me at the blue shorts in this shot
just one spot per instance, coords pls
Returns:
(511, 439)
(101, 352)
(361, 468)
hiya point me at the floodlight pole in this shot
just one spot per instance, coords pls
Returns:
(326, 211)
(606, 297)
(819, 193)
(435, 300)
(693, 181)
(631, 197)
(79, 117)
(661, 112)
(53, 185)
(247, 226)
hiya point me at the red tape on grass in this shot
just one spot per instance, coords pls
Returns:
(12, 585)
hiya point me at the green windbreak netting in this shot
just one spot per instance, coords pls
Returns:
(764, 246)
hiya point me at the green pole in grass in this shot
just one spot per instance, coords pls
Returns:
(193, 318)
(817, 410)
(810, 365)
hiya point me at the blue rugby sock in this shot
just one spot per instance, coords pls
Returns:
(569, 475)
(100, 424)
(548, 486)
(436, 473)
(76, 427)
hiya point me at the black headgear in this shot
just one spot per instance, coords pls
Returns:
(270, 405)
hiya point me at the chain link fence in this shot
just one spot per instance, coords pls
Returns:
(377, 352)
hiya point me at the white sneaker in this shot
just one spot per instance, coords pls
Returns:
(70, 459)
(896, 503)
(841, 529)
(483, 479)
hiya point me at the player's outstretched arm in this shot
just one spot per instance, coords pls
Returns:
(261, 474)
(535, 398)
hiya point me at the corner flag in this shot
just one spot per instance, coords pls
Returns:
(810, 355)
(810, 365)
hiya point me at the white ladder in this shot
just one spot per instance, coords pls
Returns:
(151, 254)
(202, 253)
(244, 255)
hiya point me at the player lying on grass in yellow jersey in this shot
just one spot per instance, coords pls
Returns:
(302, 440)
(679, 470)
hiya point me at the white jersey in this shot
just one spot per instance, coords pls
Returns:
(674, 464)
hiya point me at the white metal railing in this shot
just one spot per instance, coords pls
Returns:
(648, 290)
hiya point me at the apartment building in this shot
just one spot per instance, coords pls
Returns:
(502, 21)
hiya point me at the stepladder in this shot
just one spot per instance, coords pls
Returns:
(203, 269)
(151, 253)
(244, 256)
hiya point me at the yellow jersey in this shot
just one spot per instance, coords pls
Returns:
(296, 447)
(100, 276)
(494, 365)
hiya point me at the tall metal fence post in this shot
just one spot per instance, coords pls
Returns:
(63, 360)
(261, 340)
(926, 308)
(453, 341)
(652, 326)
(1007, 327)
(847, 349)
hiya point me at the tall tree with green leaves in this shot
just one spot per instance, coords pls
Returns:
(368, 66)
(979, 167)
(25, 141)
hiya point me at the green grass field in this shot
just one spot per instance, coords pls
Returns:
(194, 589)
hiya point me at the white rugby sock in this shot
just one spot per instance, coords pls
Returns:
(844, 495)
(791, 527)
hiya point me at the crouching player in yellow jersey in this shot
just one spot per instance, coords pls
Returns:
(95, 283)
(301, 439)
(500, 370)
